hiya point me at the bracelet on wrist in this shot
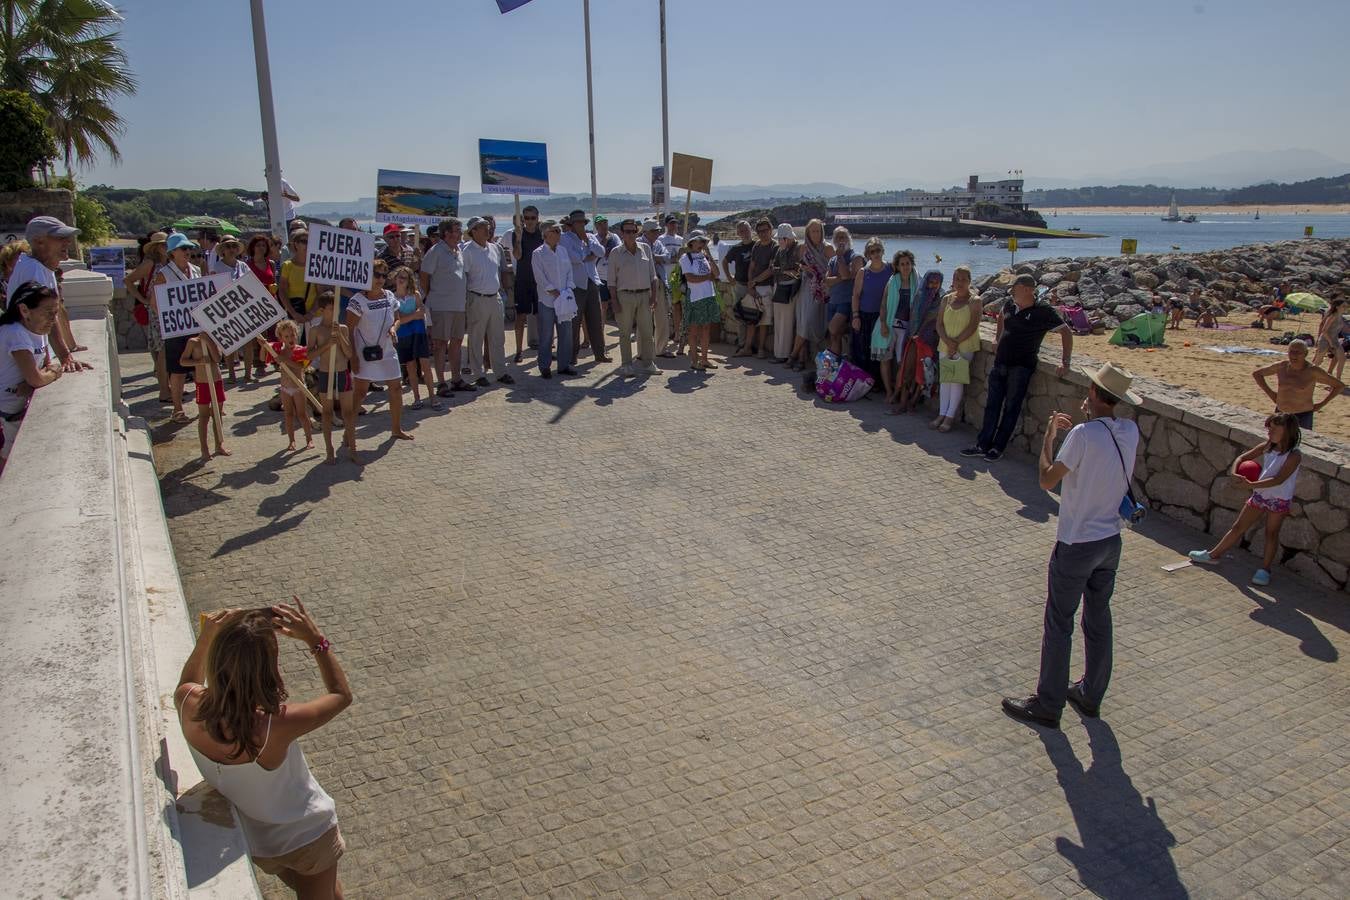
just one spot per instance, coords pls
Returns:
(323, 646)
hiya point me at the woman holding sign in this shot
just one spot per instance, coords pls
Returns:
(371, 318)
(176, 270)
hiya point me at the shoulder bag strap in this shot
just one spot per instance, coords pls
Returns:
(1129, 482)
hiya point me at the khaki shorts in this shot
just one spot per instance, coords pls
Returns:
(317, 856)
(448, 326)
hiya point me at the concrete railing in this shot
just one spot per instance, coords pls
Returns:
(1188, 442)
(97, 793)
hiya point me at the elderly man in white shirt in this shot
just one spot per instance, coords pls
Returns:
(482, 270)
(49, 239)
(552, 270)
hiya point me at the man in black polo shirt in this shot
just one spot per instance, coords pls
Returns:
(1024, 325)
(737, 266)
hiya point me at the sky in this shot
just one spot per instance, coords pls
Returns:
(859, 92)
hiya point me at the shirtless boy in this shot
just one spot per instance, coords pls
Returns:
(321, 339)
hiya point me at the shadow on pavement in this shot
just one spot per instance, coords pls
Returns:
(262, 533)
(1126, 849)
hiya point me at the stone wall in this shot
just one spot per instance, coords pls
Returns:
(1188, 443)
(17, 207)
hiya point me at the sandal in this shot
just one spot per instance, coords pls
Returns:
(179, 418)
(418, 405)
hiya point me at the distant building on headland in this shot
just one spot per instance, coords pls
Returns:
(998, 201)
(957, 202)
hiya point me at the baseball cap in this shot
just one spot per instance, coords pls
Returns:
(179, 241)
(576, 215)
(474, 223)
(651, 225)
(393, 228)
(48, 226)
(602, 218)
(671, 217)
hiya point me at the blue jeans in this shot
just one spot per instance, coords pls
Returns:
(1083, 573)
(1007, 390)
(548, 322)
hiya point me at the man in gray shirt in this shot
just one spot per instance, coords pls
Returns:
(446, 293)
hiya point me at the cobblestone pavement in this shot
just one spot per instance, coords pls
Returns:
(697, 636)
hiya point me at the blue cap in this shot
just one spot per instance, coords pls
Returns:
(179, 241)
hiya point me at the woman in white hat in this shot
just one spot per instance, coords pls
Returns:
(787, 284)
(140, 284)
(701, 307)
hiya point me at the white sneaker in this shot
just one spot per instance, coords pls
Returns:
(650, 369)
(626, 371)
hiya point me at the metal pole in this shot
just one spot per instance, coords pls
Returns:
(276, 204)
(665, 106)
(590, 101)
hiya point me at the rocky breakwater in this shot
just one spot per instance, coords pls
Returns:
(1235, 281)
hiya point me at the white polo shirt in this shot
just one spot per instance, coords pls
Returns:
(482, 267)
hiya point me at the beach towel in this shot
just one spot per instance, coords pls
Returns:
(838, 380)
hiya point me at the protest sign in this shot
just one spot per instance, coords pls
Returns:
(176, 299)
(415, 198)
(693, 173)
(513, 167)
(658, 186)
(110, 261)
(339, 257)
(238, 312)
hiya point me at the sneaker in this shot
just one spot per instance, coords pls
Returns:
(649, 369)
(976, 450)
(418, 405)
(626, 371)
(993, 455)
(377, 387)
(462, 386)
(506, 379)
(1201, 556)
(1261, 578)
(445, 390)
(482, 381)
(435, 404)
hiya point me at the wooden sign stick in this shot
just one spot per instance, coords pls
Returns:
(688, 199)
(211, 390)
(332, 351)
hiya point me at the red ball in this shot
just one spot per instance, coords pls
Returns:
(1249, 469)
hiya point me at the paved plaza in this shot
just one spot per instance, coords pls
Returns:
(700, 636)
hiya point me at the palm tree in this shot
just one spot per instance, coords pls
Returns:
(66, 54)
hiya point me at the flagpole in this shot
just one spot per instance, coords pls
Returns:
(665, 105)
(590, 101)
(276, 202)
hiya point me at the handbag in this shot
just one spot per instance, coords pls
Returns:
(1130, 509)
(954, 370)
(373, 353)
(750, 315)
(784, 293)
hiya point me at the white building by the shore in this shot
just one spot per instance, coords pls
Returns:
(955, 203)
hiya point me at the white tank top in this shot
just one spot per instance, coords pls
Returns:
(1271, 463)
(280, 810)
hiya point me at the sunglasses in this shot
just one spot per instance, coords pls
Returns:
(531, 218)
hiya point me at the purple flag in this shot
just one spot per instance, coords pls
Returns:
(507, 5)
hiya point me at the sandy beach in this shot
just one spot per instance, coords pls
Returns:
(1223, 376)
(1281, 209)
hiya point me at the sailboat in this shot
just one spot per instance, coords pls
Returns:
(1258, 214)
(1173, 214)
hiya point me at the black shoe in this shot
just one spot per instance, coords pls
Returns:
(976, 450)
(1029, 710)
(994, 455)
(545, 373)
(445, 391)
(376, 387)
(569, 372)
(506, 379)
(462, 386)
(481, 382)
(1080, 702)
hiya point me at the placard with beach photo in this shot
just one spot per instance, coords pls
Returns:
(513, 167)
(415, 198)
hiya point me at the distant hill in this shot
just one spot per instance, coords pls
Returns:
(1313, 191)
(1237, 168)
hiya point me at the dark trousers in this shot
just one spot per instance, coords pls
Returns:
(1087, 573)
(1002, 409)
(588, 310)
(860, 344)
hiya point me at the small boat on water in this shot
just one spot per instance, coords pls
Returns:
(1075, 228)
(1191, 219)
(1173, 214)
(1022, 243)
(984, 240)
(1258, 214)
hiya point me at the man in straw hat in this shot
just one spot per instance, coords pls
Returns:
(1095, 464)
